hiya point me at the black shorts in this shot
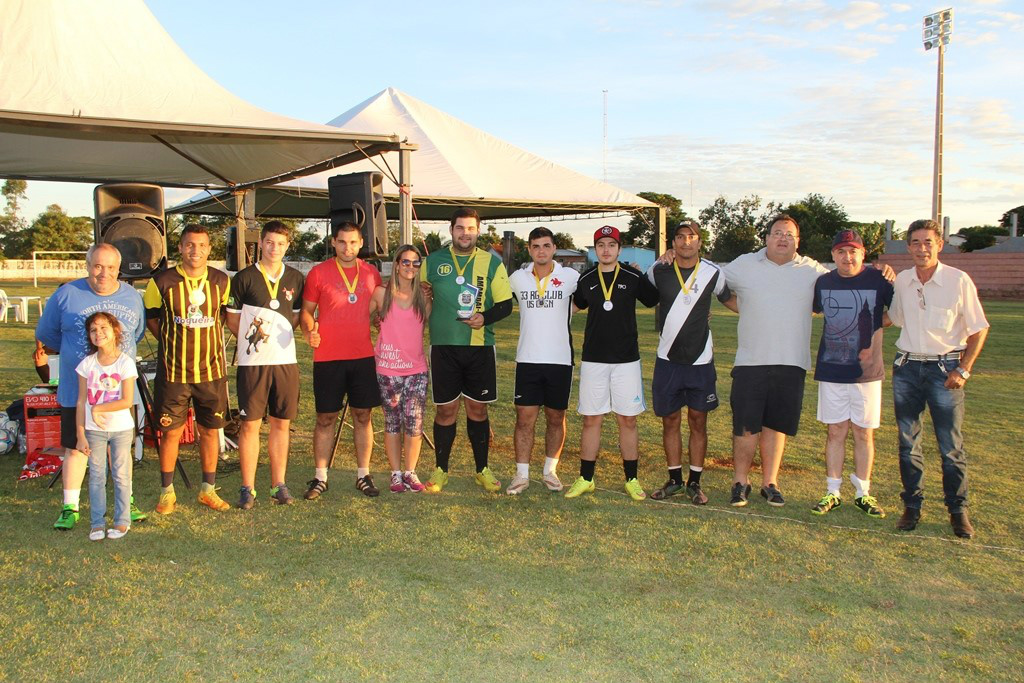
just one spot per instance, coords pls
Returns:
(469, 371)
(769, 396)
(676, 385)
(333, 380)
(69, 428)
(263, 387)
(209, 401)
(543, 384)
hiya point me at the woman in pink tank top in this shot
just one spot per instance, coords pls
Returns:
(401, 365)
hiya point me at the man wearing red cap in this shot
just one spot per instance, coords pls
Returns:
(849, 368)
(610, 377)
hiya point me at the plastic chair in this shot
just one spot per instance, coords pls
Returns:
(5, 306)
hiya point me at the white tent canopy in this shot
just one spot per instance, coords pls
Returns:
(99, 92)
(456, 165)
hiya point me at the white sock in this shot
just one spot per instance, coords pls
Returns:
(321, 473)
(71, 497)
(694, 468)
(523, 470)
(863, 486)
(550, 465)
(396, 473)
(362, 472)
(833, 484)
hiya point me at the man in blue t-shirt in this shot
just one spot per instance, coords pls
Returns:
(61, 328)
(850, 369)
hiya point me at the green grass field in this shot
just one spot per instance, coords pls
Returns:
(469, 586)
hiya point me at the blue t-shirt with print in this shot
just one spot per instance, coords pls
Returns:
(851, 341)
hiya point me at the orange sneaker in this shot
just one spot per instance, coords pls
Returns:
(211, 500)
(166, 504)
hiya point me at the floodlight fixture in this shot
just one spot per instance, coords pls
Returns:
(937, 28)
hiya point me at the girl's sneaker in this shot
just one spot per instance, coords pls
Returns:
(115, 533)
(412, 482)
(397, 485)
(97, 534)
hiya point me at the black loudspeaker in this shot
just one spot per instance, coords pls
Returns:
(231, 256)
(131, 217)
(359, 198)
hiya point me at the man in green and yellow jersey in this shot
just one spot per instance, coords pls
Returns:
(183, 311)
(470, 293)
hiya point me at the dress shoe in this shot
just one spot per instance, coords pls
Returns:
(961, 525)
(909, 520)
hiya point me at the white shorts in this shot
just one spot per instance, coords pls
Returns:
(860, 403)
(611, 387)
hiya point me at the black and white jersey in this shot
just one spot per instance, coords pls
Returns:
(611, 335)
(265, 331)
(683, 317)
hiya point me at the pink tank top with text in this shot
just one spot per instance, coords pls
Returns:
(399, 349)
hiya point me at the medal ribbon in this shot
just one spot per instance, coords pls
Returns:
(351, 286)
(542, 288)
(608, 290)
(455, 262)
(679, 276)
(272, 285)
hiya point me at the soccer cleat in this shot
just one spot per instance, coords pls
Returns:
(115, 533)
(487, 480)
(869, 506)
(211, 500)
(246, 498)
(67, 519)
(438, 480)
(827, 502)
(314, 487)
(579, 487)
(696, 493)
(518, 485)
(412, 482)
(281, 495)
(397, 483)
(552, 481)
(773, 495)
(97, 534)
(740, 492)
(365, 484)
(165, 505)
(136, 515)
(635, 490)
(669, 488)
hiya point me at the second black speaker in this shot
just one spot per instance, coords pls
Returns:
(131, 217)
(358, 198)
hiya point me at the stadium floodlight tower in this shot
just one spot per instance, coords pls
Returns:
(938, 28)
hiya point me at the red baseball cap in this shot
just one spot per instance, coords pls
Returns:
(607, 231)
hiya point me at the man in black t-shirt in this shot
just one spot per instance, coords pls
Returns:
(684, 371)
(610, 376)
(849, 368)
(262, 313)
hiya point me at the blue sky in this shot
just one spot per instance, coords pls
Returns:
(737, 97)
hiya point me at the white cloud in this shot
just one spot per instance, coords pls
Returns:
(857, 55)
(875, 38)
(977, 38)
(900, 7)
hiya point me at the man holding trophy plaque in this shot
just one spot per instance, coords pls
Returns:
(471, 292)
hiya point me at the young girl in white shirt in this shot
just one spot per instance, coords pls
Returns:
(106, 389)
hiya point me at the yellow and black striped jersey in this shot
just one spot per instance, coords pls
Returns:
(191, 334)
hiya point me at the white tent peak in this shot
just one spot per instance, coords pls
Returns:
(111, 60)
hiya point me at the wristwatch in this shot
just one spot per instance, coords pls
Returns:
(964, 373)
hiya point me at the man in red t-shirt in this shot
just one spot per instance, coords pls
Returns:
(338, 292)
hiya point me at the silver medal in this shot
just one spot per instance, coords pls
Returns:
(352, 298)
(460, 280)
(197, 297)
(275, 304)
(608, 305)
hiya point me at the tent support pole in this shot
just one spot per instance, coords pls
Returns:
(245, 219)
(404, 195)
(662, 244)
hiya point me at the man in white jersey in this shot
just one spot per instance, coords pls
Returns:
(544, 357)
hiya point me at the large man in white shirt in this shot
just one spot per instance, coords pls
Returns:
(944, 329)
(544, 357)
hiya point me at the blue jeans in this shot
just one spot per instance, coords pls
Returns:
(120, 471)
(915, 385)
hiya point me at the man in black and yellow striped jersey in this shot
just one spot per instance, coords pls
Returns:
(183, 311)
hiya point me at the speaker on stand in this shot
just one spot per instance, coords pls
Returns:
(358, 198)
(130, 216)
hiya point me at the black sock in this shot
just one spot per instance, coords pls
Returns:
(675, 475)
(166, 478)
(444, 437)
(694, 477)
(587, 469)
(629, 467)
(210, 477)
(479, 434)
